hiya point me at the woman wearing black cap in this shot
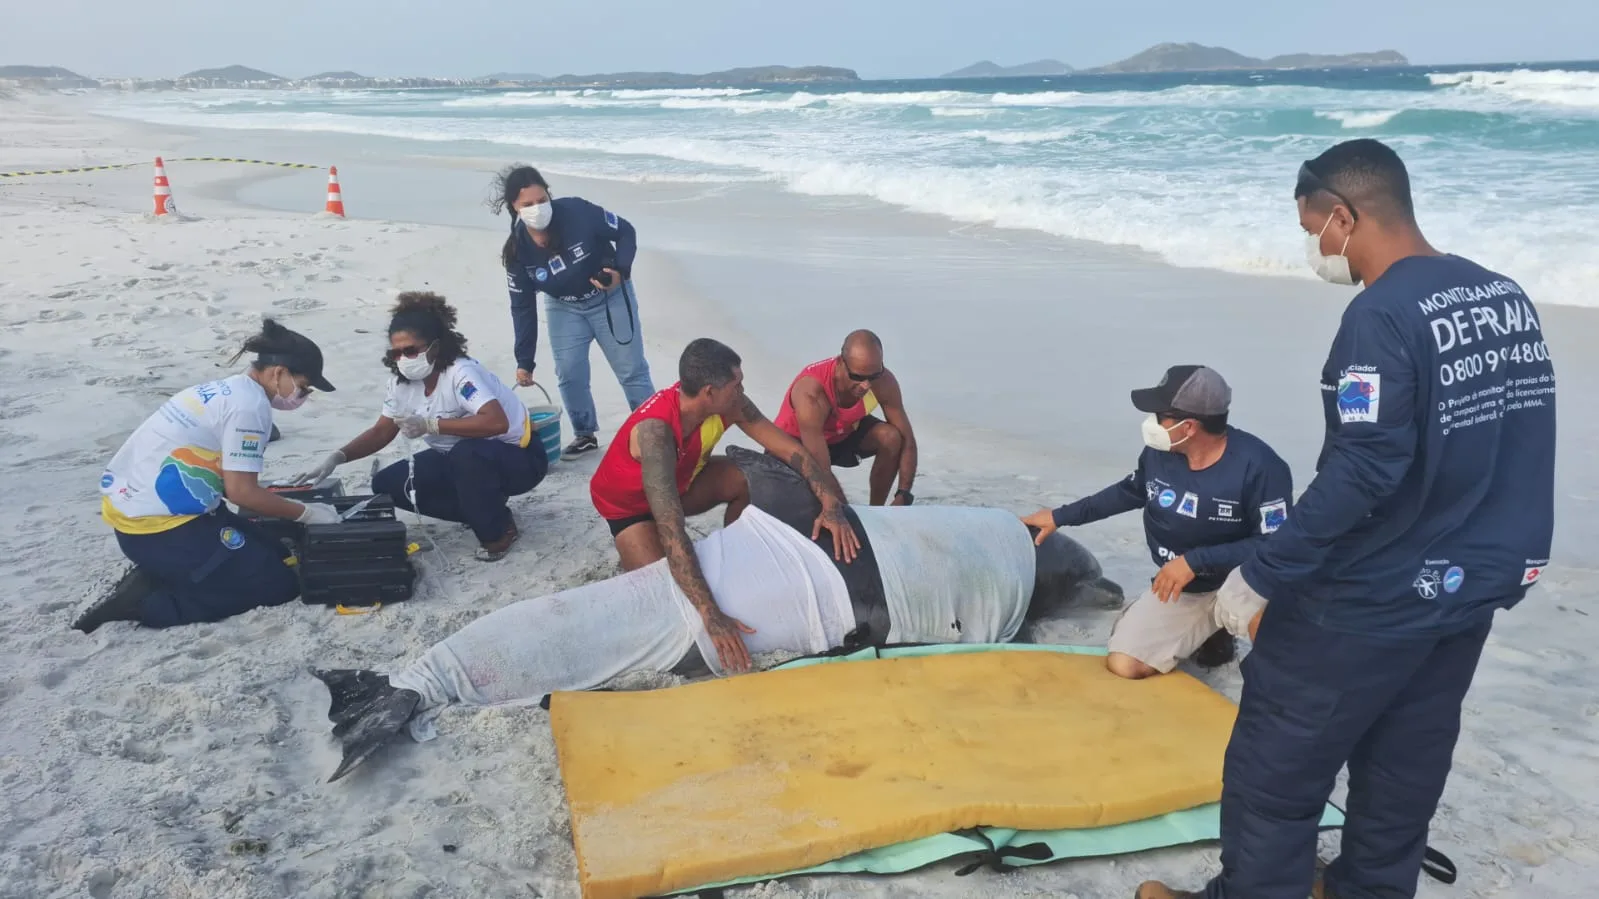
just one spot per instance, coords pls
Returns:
(162, 493)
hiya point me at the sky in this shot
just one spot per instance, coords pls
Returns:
(876, 38)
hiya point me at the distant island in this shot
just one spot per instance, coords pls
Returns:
(986, 69)
(238, 76)
(1200, 58)
(726, 78)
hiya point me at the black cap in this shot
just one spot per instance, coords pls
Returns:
(301, 356)
(1191, 389)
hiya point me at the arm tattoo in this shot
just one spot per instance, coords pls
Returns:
(822, 482)
(660, 489)
(750, 414)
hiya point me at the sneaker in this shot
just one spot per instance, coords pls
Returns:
(1216, 651)
(125, 602)
(585, 443)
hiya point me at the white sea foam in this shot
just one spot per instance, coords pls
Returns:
(1575, 90)
(1366, 118)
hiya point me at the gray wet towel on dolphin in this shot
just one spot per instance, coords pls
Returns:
(925, 574)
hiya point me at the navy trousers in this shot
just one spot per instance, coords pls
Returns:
(1314, 699)
(468, 484)
(213, 567)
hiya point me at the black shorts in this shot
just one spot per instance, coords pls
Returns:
(847, 453)
(618, 525)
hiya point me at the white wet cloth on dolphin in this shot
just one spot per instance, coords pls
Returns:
(760, 571)
(951, 574)
(939, 565)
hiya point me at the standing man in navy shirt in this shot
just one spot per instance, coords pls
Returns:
(579, 257)
(1210, 492)
(1432, 508)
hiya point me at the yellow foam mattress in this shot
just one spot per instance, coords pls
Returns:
(769, 772)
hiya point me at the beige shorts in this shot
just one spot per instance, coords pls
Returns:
(1160, 634)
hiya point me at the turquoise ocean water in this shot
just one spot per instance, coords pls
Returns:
(1196, 169)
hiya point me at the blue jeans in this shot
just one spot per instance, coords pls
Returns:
(1314, 699)
(210, 568)
(469, 484)
(572, 326)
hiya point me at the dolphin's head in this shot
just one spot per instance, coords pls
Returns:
(1066, 574)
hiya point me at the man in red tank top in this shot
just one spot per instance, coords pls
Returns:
(659, 469)
(829, 409)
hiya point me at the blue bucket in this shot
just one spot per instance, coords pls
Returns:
(546, 421)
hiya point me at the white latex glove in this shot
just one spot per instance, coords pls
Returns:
(319, 513)
(315, 475)
(414, 426)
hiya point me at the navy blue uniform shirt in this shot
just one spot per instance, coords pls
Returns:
(1433, 501)
(1213, 517)
(587, 239)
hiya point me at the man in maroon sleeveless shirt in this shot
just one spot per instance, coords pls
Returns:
(829, 407)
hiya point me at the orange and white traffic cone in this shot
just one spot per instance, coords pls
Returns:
(163, 191)
(335, 196)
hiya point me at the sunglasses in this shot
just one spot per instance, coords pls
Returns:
(860, 378)
(1310, 182)
(409, 352)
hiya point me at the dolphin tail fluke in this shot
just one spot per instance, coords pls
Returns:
(366, 711)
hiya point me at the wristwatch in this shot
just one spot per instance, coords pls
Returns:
(909, 497)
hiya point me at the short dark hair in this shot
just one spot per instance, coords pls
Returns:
(1367, 174)
(706, 363)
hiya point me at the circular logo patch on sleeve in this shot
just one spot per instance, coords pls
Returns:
(231, 538)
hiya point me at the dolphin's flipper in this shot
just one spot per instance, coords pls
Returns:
(366, 712)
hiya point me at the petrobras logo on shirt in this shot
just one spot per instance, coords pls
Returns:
(1359, 393)
(250, 443)
(1273, 515)
(1534, 570)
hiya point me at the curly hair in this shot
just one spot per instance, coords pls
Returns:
(432, 319)
(508, 185)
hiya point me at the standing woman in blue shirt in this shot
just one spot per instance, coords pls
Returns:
(579, 258)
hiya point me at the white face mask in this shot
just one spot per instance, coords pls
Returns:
(1157, 437)
(1333, 269)
(288, 402)
(538, 215)
(414, 368)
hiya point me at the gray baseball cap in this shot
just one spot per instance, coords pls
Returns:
(1190, 389)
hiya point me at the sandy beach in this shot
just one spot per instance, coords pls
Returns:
(141, 763)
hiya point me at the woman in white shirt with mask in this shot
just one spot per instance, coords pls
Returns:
(481, 445)
(163, 491)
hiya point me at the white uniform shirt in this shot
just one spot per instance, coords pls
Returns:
(462, 390)
(172, 464)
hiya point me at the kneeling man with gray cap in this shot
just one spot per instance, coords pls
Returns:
(1209, 491)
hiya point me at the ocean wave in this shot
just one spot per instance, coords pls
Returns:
(1186, 184)
(1368, 118)
(1554, 87)
(1022, 137)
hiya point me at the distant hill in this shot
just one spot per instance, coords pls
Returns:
(1200, 58)
(45, 76)
(514, 76)
(986, 69)
(231, 75)
(729, 77)
(336, 76)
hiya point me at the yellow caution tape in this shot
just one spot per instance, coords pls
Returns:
(134, 165)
